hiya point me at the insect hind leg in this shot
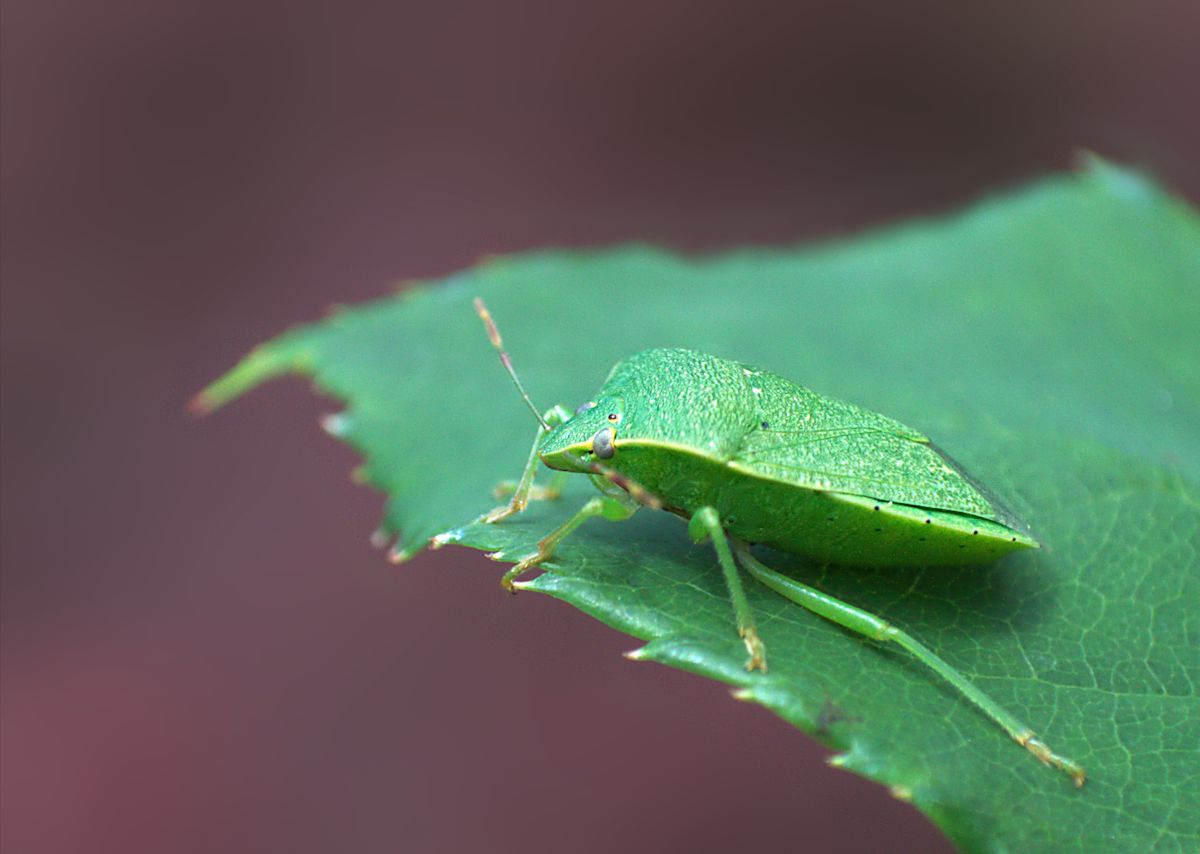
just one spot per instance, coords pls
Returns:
(871, 626)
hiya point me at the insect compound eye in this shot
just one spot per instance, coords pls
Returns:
(584, 407)
(602, 443)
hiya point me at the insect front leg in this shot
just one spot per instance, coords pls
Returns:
(524, 490)
(706, 524)
(866, 623)
(613, 508)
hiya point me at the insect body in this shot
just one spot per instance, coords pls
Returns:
(750, 457)
(784, 466)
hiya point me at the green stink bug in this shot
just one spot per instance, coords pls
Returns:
(748, 457)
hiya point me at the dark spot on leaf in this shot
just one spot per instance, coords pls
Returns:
(765, 425)
(876, 506)
(927, 521)
(831, 714)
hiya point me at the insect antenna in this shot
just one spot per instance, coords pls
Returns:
(494, 336)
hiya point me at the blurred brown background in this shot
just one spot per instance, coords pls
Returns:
(200, 650)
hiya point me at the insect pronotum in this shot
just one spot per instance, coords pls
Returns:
(746, 456)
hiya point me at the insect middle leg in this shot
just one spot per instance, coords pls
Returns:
(612, 508)
(524, 490)
(706, 524)
(866, 623)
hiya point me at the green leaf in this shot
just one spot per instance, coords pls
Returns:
(1046, 339)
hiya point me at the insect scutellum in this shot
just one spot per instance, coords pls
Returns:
(745, 456)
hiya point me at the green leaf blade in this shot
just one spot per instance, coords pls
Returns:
(1044, 339)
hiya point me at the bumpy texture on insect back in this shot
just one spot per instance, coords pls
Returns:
(786, 466)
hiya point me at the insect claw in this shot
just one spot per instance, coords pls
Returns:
(1048, 757)
(508, 580)
(502, 512)
(758, 652)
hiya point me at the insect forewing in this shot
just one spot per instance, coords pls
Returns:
(815, 441)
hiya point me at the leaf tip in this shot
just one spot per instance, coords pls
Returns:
(336, 424)
(901, 793)
(398, 555)
(452, 536)
(201, 403)
(638, 654)
(264, 362)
